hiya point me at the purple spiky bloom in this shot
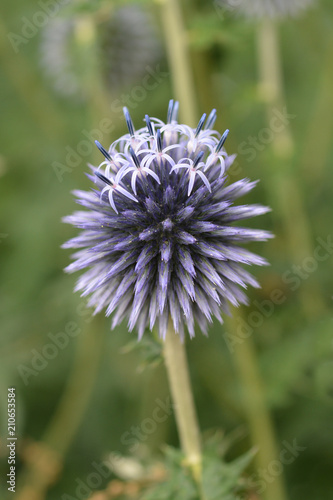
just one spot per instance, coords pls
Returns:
(158, 237)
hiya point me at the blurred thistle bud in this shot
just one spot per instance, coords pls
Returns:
(64, 59)
(267, 8)
(120, 48)
(129, 43)
(55, 59)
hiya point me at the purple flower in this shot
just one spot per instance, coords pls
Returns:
(157, 237)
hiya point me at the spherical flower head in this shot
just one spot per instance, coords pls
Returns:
(272, 8)
(157, 238)
(129, 43)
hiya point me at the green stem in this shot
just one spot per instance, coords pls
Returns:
(179, 59)
(76, 396)
(284, 182)
(271, 83)
(320, 125)
(181, 392)
(259, 419)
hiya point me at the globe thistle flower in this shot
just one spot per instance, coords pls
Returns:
(272, 8)
(158, 238)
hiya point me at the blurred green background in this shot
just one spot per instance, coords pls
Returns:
(75, 402)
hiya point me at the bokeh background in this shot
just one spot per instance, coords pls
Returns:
(65, 75)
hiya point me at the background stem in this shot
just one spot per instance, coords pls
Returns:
(258, 417)
(284, 182)
(28, 88)
(46, 458)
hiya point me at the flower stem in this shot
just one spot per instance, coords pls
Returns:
(180, 387)
(179, 59)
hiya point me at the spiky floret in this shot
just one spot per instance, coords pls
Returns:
(158, 239)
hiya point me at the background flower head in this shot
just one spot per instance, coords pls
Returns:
(270, 8)
(158, 238)
(128, 44)
(120, 46)
(124, 45)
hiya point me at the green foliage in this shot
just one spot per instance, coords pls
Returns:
(220, 479)
(307, 364)
(149, 350)
(179, 483)
(206, 31)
